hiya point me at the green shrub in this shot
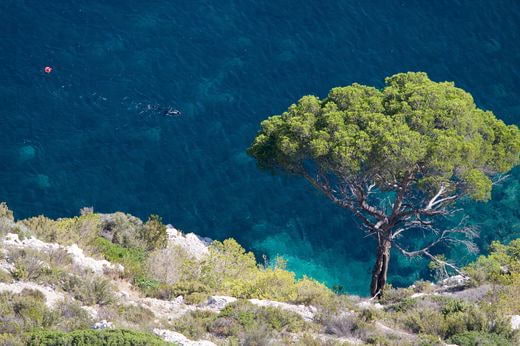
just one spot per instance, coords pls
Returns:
(94, 290)
(474, 338)
(501, 266)
(28, 265)
(92, 338)
(80, 229)
(135, 314)
(122, 229)
(23, 312)
(425, 321)
(72, 316)
(248, 315)
(11, 340)
(395, 295)
(429, 340)
(132, 259)
(42, 227)
(195, 324)
(154, 234)
(171, 265)
(193, 292)
(227, 261)
(6, 212)
(311, 292)
(5, 276)
(275, 284)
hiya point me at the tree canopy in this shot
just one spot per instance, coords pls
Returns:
(423, 143)
(413, 123)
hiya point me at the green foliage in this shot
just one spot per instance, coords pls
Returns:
(80, 229)
(131, 258)
(154, 233)
(359, 130)
(90, 291)
(238, 321)
(445, 317)
(479, 338)
(92, 338)
(248, 316)
(123, 229)
(72, 316)
(134, 313)
(227, 261)
(194, 324)
(6, 212)
(395, 295)
(501, 266)
(11, 340)
(5, 276)
(42, 227)
(23, 312)
(193, 292)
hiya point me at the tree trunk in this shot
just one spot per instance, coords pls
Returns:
(381, 267)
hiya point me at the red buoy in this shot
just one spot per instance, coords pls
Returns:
(47, 69)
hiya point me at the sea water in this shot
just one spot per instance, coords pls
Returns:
(93, 131)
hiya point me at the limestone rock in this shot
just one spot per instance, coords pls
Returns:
(103, 324)
(192, 243)
(218, 303)
(51, 296)
(306, 312)
(170, 336)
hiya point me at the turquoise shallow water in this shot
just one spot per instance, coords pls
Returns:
(92, 133)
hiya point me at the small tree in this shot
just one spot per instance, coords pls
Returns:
(154, 233)
(398, 158)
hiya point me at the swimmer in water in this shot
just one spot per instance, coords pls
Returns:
(171, 112)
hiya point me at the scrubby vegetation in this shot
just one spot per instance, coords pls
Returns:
(424, 314)
(93, 338)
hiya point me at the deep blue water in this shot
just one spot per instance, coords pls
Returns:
(83, 135)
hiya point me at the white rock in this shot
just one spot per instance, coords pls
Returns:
(51, 296)
(6, 266)
(515, 322)
(77, 255)
(170, 336)
(369, 305)
(97, 266)
(192, 243)
(12, 239)
(91, 311)
(103, 324)
(218, 303)
(306, 312)
(457, 280)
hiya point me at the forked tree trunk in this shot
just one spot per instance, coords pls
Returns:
(381, 267)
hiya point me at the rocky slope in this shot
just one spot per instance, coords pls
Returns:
(115, 298)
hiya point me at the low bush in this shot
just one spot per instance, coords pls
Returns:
(95, 290)
(6, 212)
(195, 324)
(501, 266)
(132, 259)
(92, 338)
(479, 338)
(154, 234)
(395, 295)
(72, 316)
(5, 276)
(23, 312)
(171, 265)
(248, 315)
